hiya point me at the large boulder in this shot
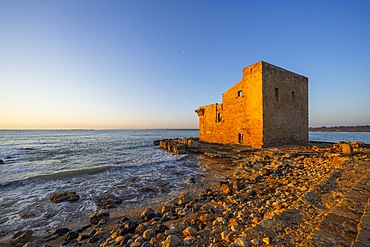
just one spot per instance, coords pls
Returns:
(171, 241)
(147, 214)
(97, 217)
(108, 201)
(179, 148)
(346, 147)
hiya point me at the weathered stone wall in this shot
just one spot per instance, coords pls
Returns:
(268, 107)
(210, 128)
(243, 109)
(285, 107)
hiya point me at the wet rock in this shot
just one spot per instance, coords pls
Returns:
(60, 231)
(21, 237)
(184, 199)
(108, 201)
(83, 237)
(166, 208)
(94, 239)
(71, 235)
(84, 228)
(27, 214)
(130, 226)
(102, 222)
(171, 241)
(97, 217)
(147, 214)
(30, 244)
(64, 196)
(1, 161)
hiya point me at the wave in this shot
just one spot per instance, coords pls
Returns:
(57, 175)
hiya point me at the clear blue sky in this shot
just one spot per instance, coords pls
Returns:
(150, 64)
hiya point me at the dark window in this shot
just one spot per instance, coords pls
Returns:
(277, 94)
(240, 138)
(219, 117)
(293, 97)
(240, 93)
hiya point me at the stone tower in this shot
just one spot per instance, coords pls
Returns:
(268, 107)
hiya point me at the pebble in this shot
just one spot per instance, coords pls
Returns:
(266, 240)
(224, 234)
(148, 234)
(97, 217)
(147, 214)
(171, 241)
(241, 242)
(190, 231)
(255, 241)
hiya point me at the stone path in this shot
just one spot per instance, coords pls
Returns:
(333, 208)
(340, 225)
(363, 236)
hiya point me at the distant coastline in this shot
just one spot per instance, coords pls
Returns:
(364, 128)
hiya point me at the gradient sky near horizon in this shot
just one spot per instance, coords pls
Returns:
(150, 64)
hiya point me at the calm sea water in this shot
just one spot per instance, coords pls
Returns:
(340, 136)
(93, 163)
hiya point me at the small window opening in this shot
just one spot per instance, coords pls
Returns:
(240, 93)
(219, 117)
(293, 97)
(277, 94)
(240, 138)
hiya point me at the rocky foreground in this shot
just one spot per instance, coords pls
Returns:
(305, 196)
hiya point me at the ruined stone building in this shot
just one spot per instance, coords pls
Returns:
(268, 107)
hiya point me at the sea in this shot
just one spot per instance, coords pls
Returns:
(93, 163)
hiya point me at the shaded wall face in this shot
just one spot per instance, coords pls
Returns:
(285, 107)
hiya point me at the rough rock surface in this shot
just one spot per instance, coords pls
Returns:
(64, 196)
(300, 196)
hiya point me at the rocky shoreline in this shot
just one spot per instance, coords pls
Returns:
(292, 196)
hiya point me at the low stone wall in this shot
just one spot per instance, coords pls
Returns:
(178, 146)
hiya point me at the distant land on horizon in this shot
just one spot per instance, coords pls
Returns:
(363, 128)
